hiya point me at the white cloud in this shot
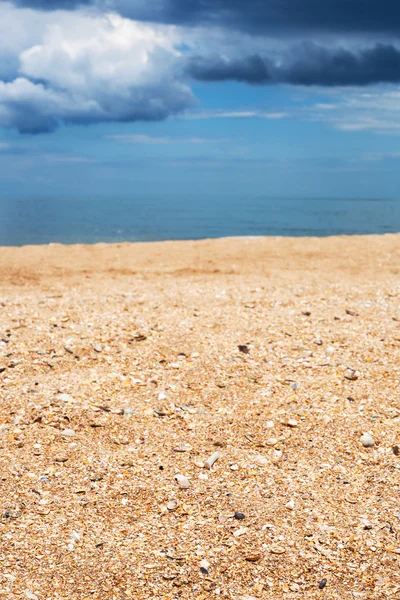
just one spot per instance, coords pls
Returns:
(88, 67)
(236, 114)
(376, 111)
(154, 141)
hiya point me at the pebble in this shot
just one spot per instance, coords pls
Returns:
(294, 587)
(128, 411)
(68, 433)
(292, 423)
(322, 584)
(182, 481)
(172, 505)
(367, 440)
(243, 348)
(239, 516)
(97, 348)
(396, 450)
(205, 564)
(290, 505)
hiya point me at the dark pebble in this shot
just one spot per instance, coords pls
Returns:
(322, 584)
(396, 450)
(244, 349)
(204, 571)
(239, 516)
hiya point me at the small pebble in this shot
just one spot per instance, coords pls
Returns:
(68, 433)
(182, 481)
(244, 349)
(367, 440)
(294, 587)
(322, 584)
(128, 411)
(239, 516)
(292, 423)
(290, 505)
(172, 505)
(396, 450)
(204, 564)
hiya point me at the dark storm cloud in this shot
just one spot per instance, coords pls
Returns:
(307, 64)
(252, 69)
(257, 16)
(51, 4)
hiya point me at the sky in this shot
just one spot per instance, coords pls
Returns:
(265, 97)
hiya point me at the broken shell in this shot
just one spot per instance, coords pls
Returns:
(172, 505)
(183, 448)
(182, 481)
(272, 442)
(210, 461)
(261, 460)
(68, 433)
(277, 550)
(254, 557)
(351, 374)
(240, 531)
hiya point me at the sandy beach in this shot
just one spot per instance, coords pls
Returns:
(124, 366)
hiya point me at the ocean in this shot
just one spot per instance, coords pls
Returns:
(139, 218)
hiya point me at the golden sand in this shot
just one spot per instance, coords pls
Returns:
(123, 366)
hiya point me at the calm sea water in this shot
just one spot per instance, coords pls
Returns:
(90, 220)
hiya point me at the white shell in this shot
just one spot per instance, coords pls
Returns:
(182, 481)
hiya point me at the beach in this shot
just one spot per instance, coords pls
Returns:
(125, 367)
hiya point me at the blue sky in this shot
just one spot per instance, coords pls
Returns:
(95, 101)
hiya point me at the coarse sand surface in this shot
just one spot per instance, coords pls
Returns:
(209, 419)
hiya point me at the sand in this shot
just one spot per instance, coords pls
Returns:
(123, 366)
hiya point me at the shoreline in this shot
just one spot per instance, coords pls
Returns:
(279, 257)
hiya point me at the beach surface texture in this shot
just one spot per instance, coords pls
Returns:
(212, 419)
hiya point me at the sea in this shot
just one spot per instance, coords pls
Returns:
(149, 218)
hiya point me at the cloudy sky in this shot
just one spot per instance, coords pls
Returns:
(275, 97)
